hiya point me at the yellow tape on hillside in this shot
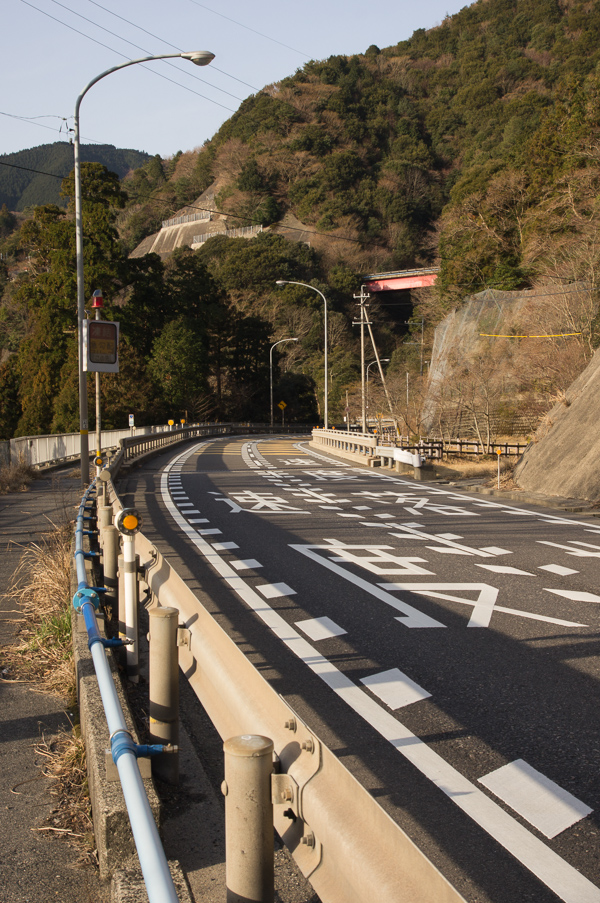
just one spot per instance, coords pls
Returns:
(555, 335)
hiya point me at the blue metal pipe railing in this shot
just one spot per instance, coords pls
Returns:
(125, 752)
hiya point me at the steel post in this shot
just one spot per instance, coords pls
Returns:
(164, 690)
(249, 840)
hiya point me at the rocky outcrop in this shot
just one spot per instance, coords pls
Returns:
(564, 457)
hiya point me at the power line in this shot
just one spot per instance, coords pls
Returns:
(143, 49)
(247, 27)
(174, 46)
(112, 50)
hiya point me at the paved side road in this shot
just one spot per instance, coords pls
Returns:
(35, 867)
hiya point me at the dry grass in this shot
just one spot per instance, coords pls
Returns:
(41, 589)
(71, 818)
(16, 477)
(483, 469)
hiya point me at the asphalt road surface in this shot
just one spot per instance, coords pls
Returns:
(470, 627)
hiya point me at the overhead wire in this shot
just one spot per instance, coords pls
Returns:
(112, 50)
(168, 43)
(247, 27)
(186, 72)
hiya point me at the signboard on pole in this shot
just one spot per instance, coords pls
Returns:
(101, 346)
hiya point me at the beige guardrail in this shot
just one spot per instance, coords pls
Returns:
(343, 841)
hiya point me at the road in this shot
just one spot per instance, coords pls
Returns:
(469, 625)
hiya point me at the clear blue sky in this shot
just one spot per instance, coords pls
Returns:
(50, 50)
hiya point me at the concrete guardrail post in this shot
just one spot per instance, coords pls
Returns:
(164, 690)
(110, 555)
(249, 840)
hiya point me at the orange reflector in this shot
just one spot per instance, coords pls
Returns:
(130, 522)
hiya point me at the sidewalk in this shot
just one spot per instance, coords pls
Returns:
(36, 867)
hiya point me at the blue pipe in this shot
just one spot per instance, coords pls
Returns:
(155, 868)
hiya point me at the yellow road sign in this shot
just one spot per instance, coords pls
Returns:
(282, 405)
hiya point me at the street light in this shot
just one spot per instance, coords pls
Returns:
(280, 342)
(199, 58)
(384, 360)
(306, 285)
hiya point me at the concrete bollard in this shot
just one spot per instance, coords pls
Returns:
(249, 840)
(110, 554)
(105, 517)
(164, 690)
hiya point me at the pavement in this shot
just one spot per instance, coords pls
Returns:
(36, 866)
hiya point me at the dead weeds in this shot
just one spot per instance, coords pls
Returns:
(40, 588)
(16, 477)
(71, 818)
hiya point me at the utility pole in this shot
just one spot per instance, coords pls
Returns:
(362, 299)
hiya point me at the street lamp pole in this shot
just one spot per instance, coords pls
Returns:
(199, 58)
(280, 342)
(306, 285)
(384, 360)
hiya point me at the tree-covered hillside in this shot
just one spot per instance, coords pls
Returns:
(474, 146)
(22, 183)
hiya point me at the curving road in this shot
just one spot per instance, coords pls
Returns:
(450, 645)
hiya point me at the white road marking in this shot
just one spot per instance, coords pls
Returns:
(483, 606)
(577, 553)
(448, 535)
(395, 688)
(191, 511)
(275, 590)
(198, 520)
(247, 564)
(212, 531)
(557, 569)
(320, 628)
(564, 880)
(544, 804)
(495, 550)
(411, 617)
(573, 595)
(224, 546)
(378, 561)
(503, 569)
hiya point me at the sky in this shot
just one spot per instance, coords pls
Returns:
(51, 50)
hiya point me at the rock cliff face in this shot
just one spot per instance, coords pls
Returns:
(564, 457)
(501, 360)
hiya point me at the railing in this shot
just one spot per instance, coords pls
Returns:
(39, 451)
(367, 445)
(239, 232)
(186, 218)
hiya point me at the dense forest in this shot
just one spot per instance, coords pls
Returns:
(28, 177)
(473, 146)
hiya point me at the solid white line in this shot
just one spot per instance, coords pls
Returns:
(564, 880)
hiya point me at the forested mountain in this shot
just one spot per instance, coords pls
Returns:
(473, 146)
(22, 183)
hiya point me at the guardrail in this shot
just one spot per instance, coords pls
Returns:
(343, 841)
(376, 450)
(40, 451)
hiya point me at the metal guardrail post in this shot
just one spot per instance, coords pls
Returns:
(249, 841)
(164, 690)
